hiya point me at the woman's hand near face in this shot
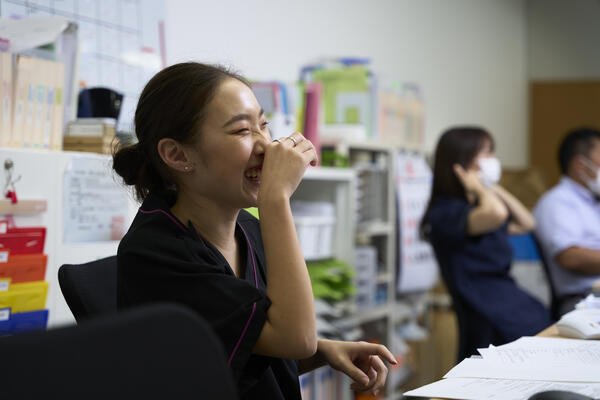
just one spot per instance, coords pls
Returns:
(490, 212)
(284, 165)
(469, 179)
(290, 329)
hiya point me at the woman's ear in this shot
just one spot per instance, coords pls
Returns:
(175, 155)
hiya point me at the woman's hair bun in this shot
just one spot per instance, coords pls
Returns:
(128, 162)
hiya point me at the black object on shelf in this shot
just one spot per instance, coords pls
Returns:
(99, 102)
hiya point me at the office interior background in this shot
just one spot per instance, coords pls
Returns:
(525, 70)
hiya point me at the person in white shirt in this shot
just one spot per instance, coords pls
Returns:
(568, 220)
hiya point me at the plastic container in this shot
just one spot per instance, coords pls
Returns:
(316, 236)
(315, 224)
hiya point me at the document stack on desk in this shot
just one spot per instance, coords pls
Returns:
(520, 369)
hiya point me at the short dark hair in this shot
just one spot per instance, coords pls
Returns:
(172, 105)
(576, 142)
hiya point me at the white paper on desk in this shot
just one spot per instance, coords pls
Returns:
(532, 351)
(480, 368)
(477, 389)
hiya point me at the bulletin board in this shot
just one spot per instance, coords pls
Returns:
(121, 42)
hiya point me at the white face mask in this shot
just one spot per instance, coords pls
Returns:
(490, 170)
(591, 183)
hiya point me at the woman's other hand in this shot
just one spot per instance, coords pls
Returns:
(361, 361)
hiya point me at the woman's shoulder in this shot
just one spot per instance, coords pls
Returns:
(251, 227)
(444, 204)
(154, 227)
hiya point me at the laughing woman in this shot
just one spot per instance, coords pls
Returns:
(204, 153)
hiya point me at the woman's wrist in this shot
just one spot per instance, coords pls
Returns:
(272, 200)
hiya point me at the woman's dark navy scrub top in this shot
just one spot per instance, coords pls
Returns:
(161, 259)
(478, 268)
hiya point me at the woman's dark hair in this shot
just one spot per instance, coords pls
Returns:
(172, 105)
(576, 142)
(459, 145)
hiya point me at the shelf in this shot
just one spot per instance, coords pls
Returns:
(385, 277)
(377, 228)
(370, 145)
(362, 317)
(23, 207)
(329, 174)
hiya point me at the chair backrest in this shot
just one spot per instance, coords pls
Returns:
(161, 352)
(90, 289)
(554, 300)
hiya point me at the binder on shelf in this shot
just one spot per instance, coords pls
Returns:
(6, 97)
(24, 268)
(56, 140)
(312, 117)
(11, 324)
(24, 297)
(23, 240)
(40, 73)
(23, 71)
(29, 104)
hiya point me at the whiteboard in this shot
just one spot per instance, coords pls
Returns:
(121, 42)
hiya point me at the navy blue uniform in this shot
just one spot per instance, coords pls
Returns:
(475, 269)
(162, 259)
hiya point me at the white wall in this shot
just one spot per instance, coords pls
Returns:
(468, 56)
(563, 39)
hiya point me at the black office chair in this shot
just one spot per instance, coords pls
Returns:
(90, 289)
(554, 299)
(152, 352)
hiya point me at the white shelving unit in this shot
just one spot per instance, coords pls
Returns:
(377, 161)
(374, 164)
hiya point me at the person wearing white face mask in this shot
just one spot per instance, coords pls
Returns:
(467, 222)
(569, 220)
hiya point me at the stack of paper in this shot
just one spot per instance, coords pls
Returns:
(522, 368)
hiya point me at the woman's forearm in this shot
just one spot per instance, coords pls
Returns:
(291, 318)
(519, 213)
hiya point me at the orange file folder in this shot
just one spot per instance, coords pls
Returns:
(24, 268)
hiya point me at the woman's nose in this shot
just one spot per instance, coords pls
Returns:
(260, 142)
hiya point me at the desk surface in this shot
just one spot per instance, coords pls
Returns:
(551, 331)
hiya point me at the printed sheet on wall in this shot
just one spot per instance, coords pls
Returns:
(121, 42)
(95, 206)
(417, 268)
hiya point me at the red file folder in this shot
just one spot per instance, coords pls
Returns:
(23, 240)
